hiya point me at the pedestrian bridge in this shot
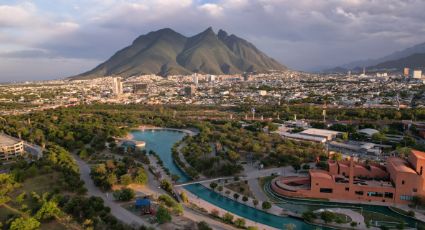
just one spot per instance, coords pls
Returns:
(202, 181)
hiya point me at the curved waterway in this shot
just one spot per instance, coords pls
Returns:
(161, 141)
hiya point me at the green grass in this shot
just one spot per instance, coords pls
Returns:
(39, 184)
(344, 218)
(375, 216)
(6, 212)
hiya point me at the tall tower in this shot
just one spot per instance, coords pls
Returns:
(117, 86)
(324, 112)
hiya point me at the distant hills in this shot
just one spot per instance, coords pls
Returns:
(412, 57)
(166, 52)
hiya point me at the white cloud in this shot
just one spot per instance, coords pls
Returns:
(300, 33)
(212, 9)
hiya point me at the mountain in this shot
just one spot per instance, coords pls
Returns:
(417, 49)
(166, 52)
(413, 61)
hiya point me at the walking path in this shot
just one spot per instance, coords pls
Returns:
(210, 207)
(153, 189)
(116, 210)
(355, 217)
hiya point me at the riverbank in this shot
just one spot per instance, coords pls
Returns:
(151, 127)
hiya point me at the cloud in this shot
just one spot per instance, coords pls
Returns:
(300, 34)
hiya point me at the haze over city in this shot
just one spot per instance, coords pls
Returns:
(40, 40)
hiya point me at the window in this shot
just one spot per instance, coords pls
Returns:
(420, 172)
(326, 190)
(375, 194)
(388, 195)
(406, 197)
(415, 190)
(402, 182)
(347, 189)
(360, 193)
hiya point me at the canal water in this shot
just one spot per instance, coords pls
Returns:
(161, 141)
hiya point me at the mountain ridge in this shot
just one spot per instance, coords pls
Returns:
(167, 52)
(383, 61)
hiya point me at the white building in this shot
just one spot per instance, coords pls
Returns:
(417, 74)
(117, 86)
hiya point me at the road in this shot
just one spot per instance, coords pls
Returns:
(116, 210)
(153, 188)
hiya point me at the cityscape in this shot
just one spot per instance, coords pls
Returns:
(159, 129)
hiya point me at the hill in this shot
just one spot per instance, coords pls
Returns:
(166, 52)
(383, 61)
(412, 61)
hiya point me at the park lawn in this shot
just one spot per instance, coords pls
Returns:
(52, 225)
(375, 216)
(345, 219)
(39, 184)
(237, 186)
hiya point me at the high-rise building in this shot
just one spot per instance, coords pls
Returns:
(117, 86)
(406, 72)
(417, 74)
(195, 79)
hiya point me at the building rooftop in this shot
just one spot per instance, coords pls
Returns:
(419, 154)
(368, 131)
(320, 132)
(317, 173)
(400, 165)
(6, 140)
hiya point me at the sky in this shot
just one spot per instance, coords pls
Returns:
(50, 39)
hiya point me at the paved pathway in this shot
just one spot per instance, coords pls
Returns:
(209, 207)
(119, 212)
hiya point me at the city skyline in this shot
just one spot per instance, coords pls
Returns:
(45, 41)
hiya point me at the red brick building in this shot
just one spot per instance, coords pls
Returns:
(398, 182)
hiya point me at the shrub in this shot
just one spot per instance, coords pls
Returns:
(163, 215)
(266, 205)
(184, 197)
(244, 198)
(309, 216)
(124, 194)
(228, 218)
(203, 226)
(213, 185)
(240, 222)
(236, 196)
(353, 224)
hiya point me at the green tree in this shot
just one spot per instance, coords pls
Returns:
(255, 202)
(141, 176)
(213, 185)
(309, 216)
(266, 205)
(22, 223)
(48, 210)
(203, 226)
(228, 218)
(126, 179)
(240, 222)
(244, 198)
(327, 216)
(124, 194)
(236, 196)
(163, 215)
(184, 197)
(7, 185)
